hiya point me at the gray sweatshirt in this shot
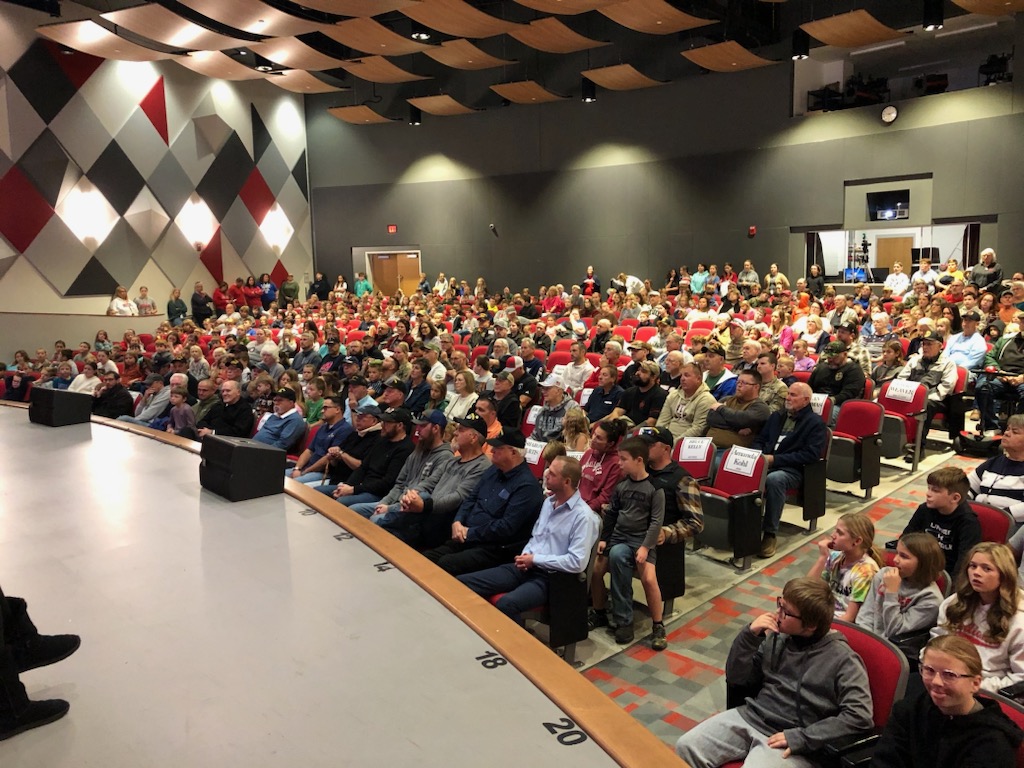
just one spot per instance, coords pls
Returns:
(635, 514)
(459, 478)
(909, 610)
(421, 472)
(813, 691)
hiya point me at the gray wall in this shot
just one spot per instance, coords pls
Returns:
(646, 180)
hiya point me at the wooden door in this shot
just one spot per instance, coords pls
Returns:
(384, 272)
(409, 271)
(894, 248)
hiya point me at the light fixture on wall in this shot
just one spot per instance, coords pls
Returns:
(276, 228)
(87, 213)
(588, 91)
(415, 115)
(197, 222)
(419, 32)
(934, 15)
(801, 44)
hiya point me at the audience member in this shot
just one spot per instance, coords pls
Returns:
(848, 561)
(947, 515)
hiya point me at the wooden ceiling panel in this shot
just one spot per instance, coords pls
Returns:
(566, 7)
(371, 37)
(358, 7)
(552, 36)
(655, 17)
(157, 23)
(293, 54)
(217, 65)
(525, 92)
(300, 81)
(992, 7)
(359, 115)
(851, 30)
(89, 37)
(621, 77)
(443, 106)
(455, 17)
(462, 54)
(729, 56)
(377, 69)
(253, 16)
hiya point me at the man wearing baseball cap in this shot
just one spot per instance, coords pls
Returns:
(285, 427)
(548, 425)
(967, 349)
(720, 380)
(836, 376)
(737, 335)
(422, 470)
(425, 519)
(640, 352)
(378, 472)
(848, 333)
(933, 369)
(494, 522)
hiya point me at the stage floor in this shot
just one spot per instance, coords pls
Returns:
(250, 634)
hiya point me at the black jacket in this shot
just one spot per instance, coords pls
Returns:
(380, 468)
(918, 735)
(229, 420)
(114, 402)
(846, 383)
(804, 443)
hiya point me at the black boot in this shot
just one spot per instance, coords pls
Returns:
(31, 649)
(17, 712)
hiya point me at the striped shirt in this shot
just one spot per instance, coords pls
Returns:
(999, 482)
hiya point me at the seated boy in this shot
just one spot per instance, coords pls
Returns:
(947, 515)
(813, 688)
(632, 524)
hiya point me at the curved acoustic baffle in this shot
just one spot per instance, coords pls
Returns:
(377, 69)
(655, 17)
(566, 7)
(157, 23)
(359, 115)
(358, 7)
(552, 36)
(89, 37)
(254, 17)
(621, 77)
(217, 65)
(462, 54)
(851, 30)
(374, 38)
(526, 92)
(991, 7)
(301, 81)
(729, 56)
(294, 54)
(455, 17)
(443, 106)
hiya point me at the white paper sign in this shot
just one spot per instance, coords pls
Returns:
(574, 454)
(533, 451)
(741, 461)
(585, 396)
(694, 448)
(531, 415)
(902, 390)
(559, 371)
(818, 402)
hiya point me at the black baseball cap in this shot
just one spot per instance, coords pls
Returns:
(511, 437)
(656, 435)
(402, 415)
(473, 421)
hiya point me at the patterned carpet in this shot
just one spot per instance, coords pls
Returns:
(671, 691)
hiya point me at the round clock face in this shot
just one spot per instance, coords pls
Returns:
(889, 114)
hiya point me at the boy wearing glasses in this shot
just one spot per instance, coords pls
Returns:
(812, 688)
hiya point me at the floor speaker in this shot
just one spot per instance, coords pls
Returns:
(58, 408)
(238, 468)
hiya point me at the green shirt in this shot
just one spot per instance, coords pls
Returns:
(314, 410)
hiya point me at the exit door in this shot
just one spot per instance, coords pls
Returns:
(391, 270)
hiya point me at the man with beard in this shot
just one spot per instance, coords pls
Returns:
(378, 472)
(642, 402)
(112, 399)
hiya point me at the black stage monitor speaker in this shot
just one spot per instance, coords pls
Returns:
(58, 408)
(238, 468)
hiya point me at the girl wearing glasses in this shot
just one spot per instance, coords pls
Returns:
(946, 724)
(987, 609)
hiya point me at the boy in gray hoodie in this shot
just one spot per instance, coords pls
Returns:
(813, 688)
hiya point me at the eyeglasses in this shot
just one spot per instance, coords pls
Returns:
(947, 675)
(784, 612)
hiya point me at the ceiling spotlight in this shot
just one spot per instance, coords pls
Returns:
(415, 115)
(419, 32)
(801, 44)
(934, 16)
(589, 91)
(263, 65)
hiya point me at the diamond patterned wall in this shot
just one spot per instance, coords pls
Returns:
(74, 125)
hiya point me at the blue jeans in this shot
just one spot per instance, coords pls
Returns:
(308, 478)
(359, 498)
(523, 590)
(988, 391)
(621, 562)
(364, 509)
(776, 484)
